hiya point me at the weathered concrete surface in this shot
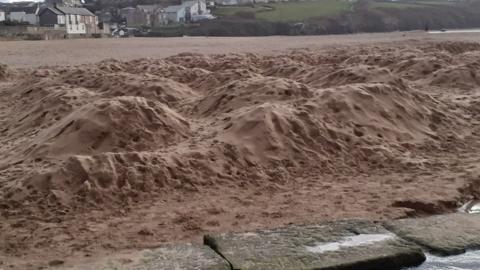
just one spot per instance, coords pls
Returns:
(445, 234)
(171, 257)
(358, 245)
(465, 261)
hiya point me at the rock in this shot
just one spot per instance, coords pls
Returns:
(336, 245)
(178, 256)
(55, 262)
(444, 234)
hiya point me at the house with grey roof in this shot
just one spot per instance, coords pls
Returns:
(185, 11)
(76, 20)
(23, 14)
(144, 15)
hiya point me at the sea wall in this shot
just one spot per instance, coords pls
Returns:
(340, 245)
(31, 32)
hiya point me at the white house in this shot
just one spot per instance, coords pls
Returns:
(75, 20)
(175, 13)
(2, 15)
(24, 14)
(79, 20)
(185, 11)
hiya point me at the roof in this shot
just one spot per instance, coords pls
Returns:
(150, 8)
(75, 11)
(26, 9)
(52, 9)
(179, 7)
(189, 3)
(174, 8)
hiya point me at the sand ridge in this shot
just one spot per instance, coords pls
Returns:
(97, 139)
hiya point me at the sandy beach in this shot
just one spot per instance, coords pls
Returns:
(115, 145)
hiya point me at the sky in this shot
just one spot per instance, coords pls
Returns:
(11, 1)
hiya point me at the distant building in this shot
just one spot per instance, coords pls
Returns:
(24, 14)
(185, 11)
(144, 15)
(175, 13)
(2, 15)
(227, 2)
(75, 20)
(52, 17)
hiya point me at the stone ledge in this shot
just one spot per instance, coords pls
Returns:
(344, 245)
(444, 234)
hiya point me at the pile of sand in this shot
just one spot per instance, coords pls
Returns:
(465, 76)
(4, 72)
(112, 133)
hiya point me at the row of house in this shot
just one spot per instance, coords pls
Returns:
(75, 20)
(157, 16)
(27, 14)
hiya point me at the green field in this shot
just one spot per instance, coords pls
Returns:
(408, 4)
(290, 11)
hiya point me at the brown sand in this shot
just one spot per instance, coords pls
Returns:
(119, 155)
(82, 51)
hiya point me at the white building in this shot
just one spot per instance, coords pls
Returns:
(227, 2)
(2, 15)
(75, 20)
(79, 20)
(25, 14)
(185, 11)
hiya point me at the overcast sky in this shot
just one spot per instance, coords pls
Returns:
(10, 1)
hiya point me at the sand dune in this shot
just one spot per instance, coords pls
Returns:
(102, 137)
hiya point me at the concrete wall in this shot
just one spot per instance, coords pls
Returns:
(31, 32)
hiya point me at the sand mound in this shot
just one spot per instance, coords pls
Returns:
(461, 76)
(254, 91)
(220, 78)
(454, 47)
(357, 74)
(284, 67)
(217, 62)
(115, 132)
(118, 124)
(336, 123)
(4, 72)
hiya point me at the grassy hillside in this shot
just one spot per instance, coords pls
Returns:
(289, 11)
(340, 17)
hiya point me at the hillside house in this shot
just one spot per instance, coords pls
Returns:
(23, 14)
(185, 11)
(75, 20)
(2, 15)
(52, 17)
(144, 15)
(79, 20)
